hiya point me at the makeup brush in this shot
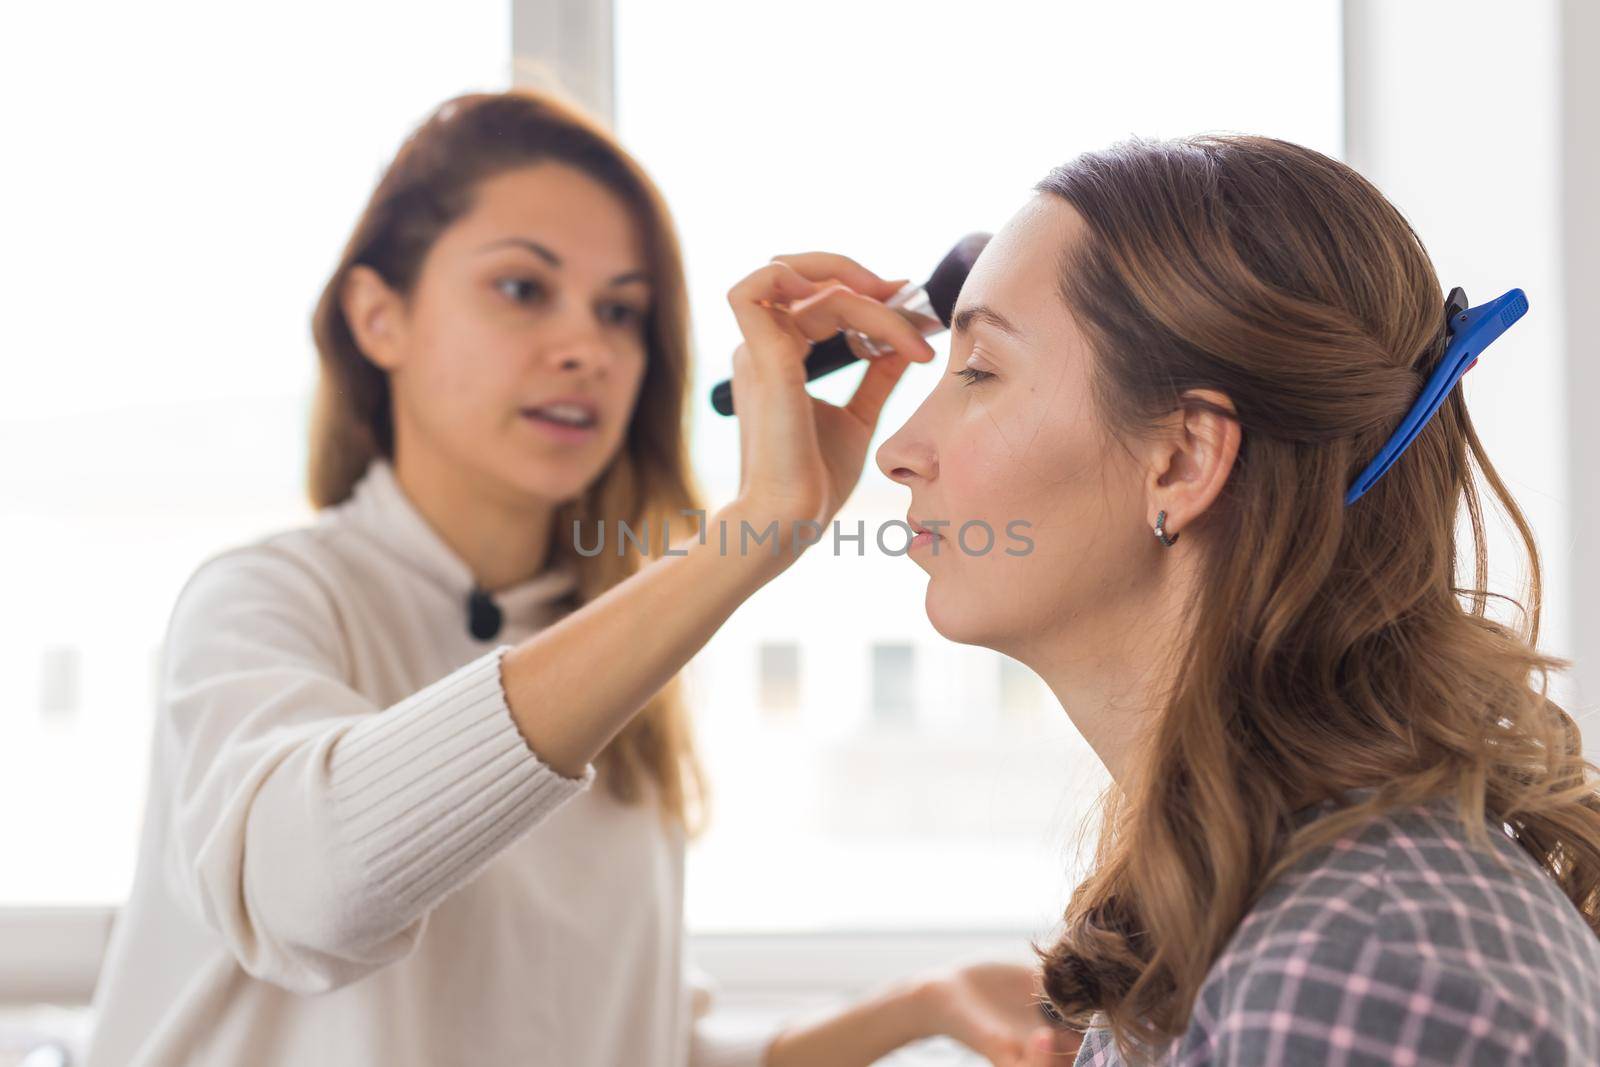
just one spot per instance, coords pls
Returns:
(928, 307)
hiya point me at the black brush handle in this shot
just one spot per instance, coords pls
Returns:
(825, 357)
(938, 295)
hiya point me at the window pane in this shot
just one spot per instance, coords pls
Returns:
(893, 684)
(194, 170)
(1022, 694)
(886, 132)
(780, 676)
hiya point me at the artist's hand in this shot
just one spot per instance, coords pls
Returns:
(799, 456)
(993, 1009)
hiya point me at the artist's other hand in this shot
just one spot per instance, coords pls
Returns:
(994, 1009)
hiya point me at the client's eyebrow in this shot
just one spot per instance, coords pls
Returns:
(984, 313)
(555, 261)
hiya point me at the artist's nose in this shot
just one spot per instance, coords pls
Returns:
(585, 358)
(582, 355)
(576, 343)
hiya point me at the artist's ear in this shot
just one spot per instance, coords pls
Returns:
(376, 315)
(1190, 458)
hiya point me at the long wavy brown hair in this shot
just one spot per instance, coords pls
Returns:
(430, 184)
(1330, 647)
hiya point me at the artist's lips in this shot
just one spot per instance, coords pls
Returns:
(570, 419)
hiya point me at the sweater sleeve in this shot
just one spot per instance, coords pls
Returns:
(310, 828)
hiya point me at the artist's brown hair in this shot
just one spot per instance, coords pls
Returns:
(429, 185)
(1332, 647)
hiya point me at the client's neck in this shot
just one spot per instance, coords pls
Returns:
(1114, 673)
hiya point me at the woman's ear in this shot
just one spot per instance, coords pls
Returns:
(375, 314)
(1192, 458)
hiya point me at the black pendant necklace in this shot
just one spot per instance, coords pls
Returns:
(483, 614)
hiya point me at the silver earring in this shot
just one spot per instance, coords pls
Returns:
(1161, 523)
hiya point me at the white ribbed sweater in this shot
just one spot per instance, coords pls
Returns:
(351, 856)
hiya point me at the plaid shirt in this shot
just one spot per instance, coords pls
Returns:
(1399, 944)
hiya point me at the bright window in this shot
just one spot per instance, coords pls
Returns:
(175, 197)
(188, 188)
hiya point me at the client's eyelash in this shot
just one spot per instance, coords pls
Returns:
(973, 374)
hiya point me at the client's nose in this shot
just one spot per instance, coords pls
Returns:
(907, 456)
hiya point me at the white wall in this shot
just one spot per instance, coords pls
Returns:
(1465, 115)
(1579, 107)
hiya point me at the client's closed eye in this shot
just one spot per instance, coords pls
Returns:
(973, 374)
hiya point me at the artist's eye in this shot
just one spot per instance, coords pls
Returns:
(519, 290)
(973, 375)
(625, 315)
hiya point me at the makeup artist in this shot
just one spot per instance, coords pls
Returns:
(422, 780)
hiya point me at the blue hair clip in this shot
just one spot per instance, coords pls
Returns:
(1470, 330)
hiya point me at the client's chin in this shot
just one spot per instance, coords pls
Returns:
(959, 616)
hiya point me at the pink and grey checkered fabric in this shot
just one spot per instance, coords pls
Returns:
(1399, 944)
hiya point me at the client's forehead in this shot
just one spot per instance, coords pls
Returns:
(1017, 277)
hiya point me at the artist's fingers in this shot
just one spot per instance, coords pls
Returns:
(1052, 1046)
(999, 1048)
(769, 329)
(866, 403)
(1043, 1050)
(826, 266)
(836, 307)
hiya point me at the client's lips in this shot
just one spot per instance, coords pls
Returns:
(918, 529)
